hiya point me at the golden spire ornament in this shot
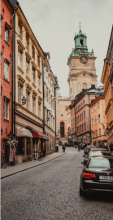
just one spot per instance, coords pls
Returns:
(80, 26)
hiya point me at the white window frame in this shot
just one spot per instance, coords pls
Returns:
(20, 91)
(33, 75)
(6, 70)
(6, 108)
(20, 57)
(95, 107)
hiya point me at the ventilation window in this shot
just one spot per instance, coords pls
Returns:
(81, 42)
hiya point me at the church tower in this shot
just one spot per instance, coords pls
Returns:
(82, 71)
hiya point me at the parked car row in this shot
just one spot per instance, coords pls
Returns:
(97, 174)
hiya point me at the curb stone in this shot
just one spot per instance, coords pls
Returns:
(29, 168)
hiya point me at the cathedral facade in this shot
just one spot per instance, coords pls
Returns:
(82, 74)
(82, 71)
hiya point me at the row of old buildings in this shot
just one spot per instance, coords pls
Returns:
(88, 116)
(29, 89)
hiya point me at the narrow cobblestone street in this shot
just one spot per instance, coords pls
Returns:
(51, 191)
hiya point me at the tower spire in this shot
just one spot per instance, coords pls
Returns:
(80, 26)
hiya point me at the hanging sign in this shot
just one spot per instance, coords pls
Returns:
(12, 154)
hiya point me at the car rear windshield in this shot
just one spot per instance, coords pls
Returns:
(101, 162)
(99, 153)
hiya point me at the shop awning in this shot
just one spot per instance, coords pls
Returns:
(23, 132)
(37, 134)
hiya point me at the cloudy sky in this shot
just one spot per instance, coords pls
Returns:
(54, 23)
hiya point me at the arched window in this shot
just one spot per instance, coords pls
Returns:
(79, 87)
(84, 86)
(81, 42)
(62, 129)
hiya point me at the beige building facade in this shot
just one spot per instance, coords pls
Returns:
(28, 91)
(50, 102)
(62, 118)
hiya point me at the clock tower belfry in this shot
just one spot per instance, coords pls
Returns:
(82, 71)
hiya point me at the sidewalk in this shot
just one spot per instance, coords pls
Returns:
(5, 172)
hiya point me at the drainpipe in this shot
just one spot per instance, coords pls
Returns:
(55, 115)
(13, 78)
(43, 97)
(14, 71)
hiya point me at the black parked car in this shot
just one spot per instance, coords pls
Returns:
(97, 175)
(88, 148)
(96, 152)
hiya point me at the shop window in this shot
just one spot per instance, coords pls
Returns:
(20, 52)
(20, 90)
(6, 108)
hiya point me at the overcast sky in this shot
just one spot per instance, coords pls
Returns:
(54, 23)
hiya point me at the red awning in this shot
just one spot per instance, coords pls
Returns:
(37, 134)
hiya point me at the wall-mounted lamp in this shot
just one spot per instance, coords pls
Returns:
(23, 100)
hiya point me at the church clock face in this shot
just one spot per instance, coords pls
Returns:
(83, 59)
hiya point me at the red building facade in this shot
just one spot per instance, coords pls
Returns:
(6, 74)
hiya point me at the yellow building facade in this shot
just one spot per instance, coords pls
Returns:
(28, 87)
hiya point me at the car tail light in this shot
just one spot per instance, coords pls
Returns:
(86, 148)
(88, 175)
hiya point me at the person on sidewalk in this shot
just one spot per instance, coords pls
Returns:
(63, 147)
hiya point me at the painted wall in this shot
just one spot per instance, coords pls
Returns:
(6, 86)
(61, 110)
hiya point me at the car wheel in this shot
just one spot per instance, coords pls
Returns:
(81, 192)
